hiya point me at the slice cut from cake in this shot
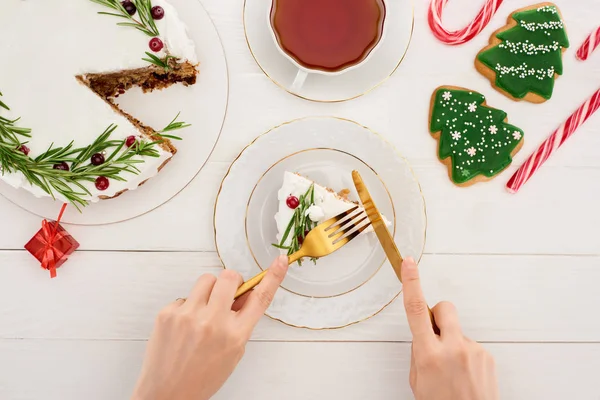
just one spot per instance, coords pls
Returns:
(61, 94)
(314, 203)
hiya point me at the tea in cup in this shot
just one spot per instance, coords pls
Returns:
(327, 37)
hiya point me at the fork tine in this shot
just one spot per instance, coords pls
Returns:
(332, 222)
(338, 219)
(348, 229)
(342, 229)
(344, 241)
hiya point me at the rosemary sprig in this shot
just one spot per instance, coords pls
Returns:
(70, 184)
(2, 104)
(299, 225)
(9, 132)
(145, 23)
(144, 8)
(173, 126)
(160, 62)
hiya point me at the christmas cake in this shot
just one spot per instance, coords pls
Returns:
(299, 196)
(64, 62)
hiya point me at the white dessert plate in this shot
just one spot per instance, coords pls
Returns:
(381, 64)
(203, 105)
(356, 282)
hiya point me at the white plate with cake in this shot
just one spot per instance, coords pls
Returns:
(89, 94)
(306, 164)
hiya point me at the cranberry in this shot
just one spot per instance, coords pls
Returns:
(102, 183)
(121, 91)
(98, 159)
(292, 202)
(158, 12)
(130, 141)
(301, 239)
(156, 45)
(129, 7)
(63, 166)
(24, 149)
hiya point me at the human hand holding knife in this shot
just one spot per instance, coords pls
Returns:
(383, 234)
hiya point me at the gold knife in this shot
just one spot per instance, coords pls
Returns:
(383, 234)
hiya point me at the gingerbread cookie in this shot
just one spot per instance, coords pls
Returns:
(475, 141)
(525, 57)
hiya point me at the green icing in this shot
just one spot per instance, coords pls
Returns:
(475, 136)
(530, 53)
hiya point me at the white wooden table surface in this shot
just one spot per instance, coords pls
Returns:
(524, 270)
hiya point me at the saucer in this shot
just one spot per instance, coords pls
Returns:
(379, 66)
(352, 284)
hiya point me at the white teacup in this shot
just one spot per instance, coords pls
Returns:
(304, 72)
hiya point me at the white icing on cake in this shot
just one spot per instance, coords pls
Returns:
(327, 204)
(174, 34)
(45, 44)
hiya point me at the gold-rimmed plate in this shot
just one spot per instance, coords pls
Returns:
(381, 64)
(353, 284)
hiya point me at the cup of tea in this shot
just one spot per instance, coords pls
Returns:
(328, 37)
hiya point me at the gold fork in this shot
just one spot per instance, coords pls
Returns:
(321, 241)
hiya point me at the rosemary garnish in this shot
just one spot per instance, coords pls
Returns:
(299, 225)
(9, 131)
(40, 171)
(173, 126)
(145, 24)
(160, 62)
(2, 104)
(144, 9)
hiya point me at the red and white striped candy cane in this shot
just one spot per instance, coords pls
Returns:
(589, 45)
(464, 35)
(539, 157)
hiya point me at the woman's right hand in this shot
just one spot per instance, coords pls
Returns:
(198, 342)
(449, 366)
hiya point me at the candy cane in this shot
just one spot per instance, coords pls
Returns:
(589, 45)
(560, 136)
(464, 35)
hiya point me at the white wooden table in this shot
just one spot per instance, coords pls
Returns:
(523, 270)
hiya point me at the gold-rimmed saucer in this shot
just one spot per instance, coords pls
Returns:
(380, 66)
(322, 148)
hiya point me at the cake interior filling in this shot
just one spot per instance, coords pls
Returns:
(109, 86)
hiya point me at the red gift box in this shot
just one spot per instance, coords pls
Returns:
(52, 245)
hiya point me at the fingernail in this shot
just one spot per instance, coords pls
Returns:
(410, 263)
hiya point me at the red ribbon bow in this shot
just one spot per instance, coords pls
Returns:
(50, 235)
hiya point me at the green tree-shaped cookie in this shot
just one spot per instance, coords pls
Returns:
(475, 137)
(530, 53)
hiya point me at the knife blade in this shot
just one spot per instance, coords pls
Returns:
(383, 234)
(381, 230)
